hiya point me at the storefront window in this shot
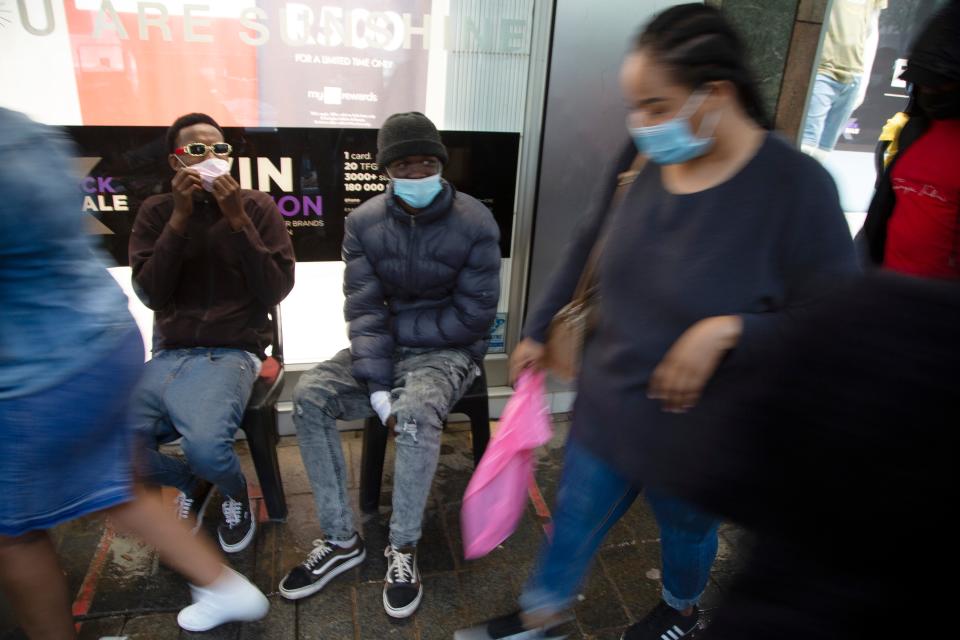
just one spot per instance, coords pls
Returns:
(300, 88)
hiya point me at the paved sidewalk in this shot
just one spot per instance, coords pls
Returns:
(133, 596)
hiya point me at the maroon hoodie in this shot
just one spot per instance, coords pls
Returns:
(213, 286)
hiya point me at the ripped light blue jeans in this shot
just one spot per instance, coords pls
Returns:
(427, 383)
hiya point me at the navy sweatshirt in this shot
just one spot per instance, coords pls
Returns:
(764, 245)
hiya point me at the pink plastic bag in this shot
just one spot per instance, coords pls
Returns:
(497, 493)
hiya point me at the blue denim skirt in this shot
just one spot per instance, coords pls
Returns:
(66, 451)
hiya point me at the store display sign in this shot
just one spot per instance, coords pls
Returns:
(900, 23)
(498, 334)
(315, 176)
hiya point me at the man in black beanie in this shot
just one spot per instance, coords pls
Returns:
(422, 282)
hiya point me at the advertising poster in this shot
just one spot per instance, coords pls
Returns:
(300, 88)
(247, 63)
(316, 177)
(498, 334)
(344, 66)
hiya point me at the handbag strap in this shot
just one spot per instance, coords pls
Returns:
(624, 180)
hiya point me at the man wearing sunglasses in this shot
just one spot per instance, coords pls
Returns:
(422, 282)
(211, 259)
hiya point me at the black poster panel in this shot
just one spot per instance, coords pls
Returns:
(316, 177)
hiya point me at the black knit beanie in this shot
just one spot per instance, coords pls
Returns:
(408, 134)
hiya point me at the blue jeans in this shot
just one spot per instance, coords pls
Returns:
(592, 497)
(200, 395)
(831, 105)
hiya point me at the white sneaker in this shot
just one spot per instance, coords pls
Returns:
(231, 598)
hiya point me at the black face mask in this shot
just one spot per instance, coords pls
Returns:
(940, 106)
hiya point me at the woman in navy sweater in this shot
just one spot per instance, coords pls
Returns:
(716, 247)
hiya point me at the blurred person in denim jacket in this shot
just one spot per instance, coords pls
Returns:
(70, 355)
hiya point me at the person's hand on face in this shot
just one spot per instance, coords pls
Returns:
(227, 192)
(196, 144)
(186, 183)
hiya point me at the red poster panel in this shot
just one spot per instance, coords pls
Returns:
(129, 76)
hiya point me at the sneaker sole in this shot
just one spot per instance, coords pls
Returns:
(244, 543)
(208, 627)
(200, 628)
(309, 590)
(403, 612)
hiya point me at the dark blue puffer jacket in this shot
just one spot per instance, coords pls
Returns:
(430, 280)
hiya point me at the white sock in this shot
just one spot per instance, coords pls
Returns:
(227, 583)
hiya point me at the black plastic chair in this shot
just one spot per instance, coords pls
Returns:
(260, 425)
(474, 403)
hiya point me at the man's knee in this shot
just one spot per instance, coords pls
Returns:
(313, 396)
(209, 455)
(415, 422)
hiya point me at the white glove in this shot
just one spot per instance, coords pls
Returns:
(380, 401)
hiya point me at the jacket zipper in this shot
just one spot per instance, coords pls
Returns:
(410, 253)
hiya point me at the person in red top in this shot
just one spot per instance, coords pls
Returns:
(922, 234)
(913, 225)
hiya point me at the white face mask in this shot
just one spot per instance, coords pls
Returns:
(209, 170)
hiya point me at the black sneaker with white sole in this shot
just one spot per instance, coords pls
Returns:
(510, 627)
(191, 507)
(665, 623)
(325, 562)
(402, 589)
(238, 526)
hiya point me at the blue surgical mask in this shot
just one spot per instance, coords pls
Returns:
(418, 192)
(673, 142)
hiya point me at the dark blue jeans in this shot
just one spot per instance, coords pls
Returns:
(592, 497)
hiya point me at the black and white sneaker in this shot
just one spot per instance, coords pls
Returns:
(238, 526)
(190, 508)
(402, 589)
(510, 627)
(664, 623)
(323, 564)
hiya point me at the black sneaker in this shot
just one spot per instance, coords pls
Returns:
(664, 623)
(191, 507)
(510, 627)
(238, 526)
(402, 589)
(323, 564)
